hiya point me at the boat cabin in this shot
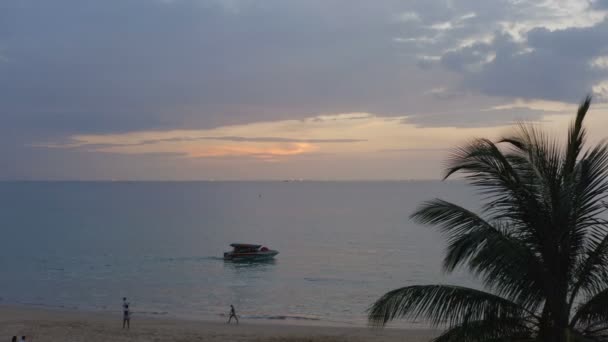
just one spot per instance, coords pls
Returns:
(245, 247)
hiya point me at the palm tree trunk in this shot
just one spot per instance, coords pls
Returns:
(555, 317)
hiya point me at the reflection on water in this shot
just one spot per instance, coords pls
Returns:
(253, 265)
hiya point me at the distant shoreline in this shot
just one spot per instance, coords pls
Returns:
(57, 324)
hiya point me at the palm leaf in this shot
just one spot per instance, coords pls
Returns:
(488, 330)
(458, 224)
(589, 240)
(504, 262)
(594, 311)
(509, 196)
(576, 136)
(442, 304)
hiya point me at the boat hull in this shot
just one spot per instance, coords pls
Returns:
(253, 256)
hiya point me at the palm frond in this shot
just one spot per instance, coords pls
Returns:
(590, 178)
(589, 234)
(459, 224)
(593, 312)
(489, 330)
(484, 165)
(576, 136)
(509, 183)
(442, 305)
(504, 262)
(591, 273)
(510, 270)
(542, 154)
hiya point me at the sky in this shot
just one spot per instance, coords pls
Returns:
(275, 89)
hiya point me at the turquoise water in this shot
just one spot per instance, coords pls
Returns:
(85, 245)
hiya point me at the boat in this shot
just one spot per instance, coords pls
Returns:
(249, 252)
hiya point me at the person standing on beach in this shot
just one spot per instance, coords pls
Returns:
(233, 314)
(125, 304)
(126, 314)
(126, 317)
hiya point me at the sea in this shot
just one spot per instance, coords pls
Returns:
(85, 245)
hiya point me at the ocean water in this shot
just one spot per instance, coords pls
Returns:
(85, 245)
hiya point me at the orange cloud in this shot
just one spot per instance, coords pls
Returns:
(347, 135)
(262, 152)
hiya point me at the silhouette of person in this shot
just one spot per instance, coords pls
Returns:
(125, 304)
(233, 314)
(126, 314)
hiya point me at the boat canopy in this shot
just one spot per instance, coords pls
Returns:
(244, 245)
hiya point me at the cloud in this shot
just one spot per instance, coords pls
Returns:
(249, 140)
(408, 17)
(412, 150)
(264, 152)
(290, 140)
(115, 68)
(450, 25)
(600, 4)
(469, 58)
(189, 63)
(77, 143)
(517, 49)
(363, 133)
(480, 118)
(553, 65)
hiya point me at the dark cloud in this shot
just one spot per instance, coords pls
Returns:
(118, 65)
(467, 57)
(600, 4)
(86, 66)
(574, 43)
(553, 65)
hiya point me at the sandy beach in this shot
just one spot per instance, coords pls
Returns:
(43, 325)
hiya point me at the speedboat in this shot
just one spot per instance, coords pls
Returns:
(248, 252)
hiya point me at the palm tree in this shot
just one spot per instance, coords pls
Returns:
(539, 245)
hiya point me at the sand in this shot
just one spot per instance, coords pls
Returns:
(42, 325)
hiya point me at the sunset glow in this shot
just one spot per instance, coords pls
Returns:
(236, 89)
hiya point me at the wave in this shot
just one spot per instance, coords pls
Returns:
(186, 259)
(160, 313)
(280, 317)
(321, 279)
(78, 308)
(44, 305)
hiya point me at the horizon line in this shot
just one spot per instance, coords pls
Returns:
(219, 180)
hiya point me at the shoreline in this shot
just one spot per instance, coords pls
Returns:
(291, 320)
(58, 324)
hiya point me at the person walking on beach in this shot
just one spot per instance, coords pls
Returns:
(233, 314)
